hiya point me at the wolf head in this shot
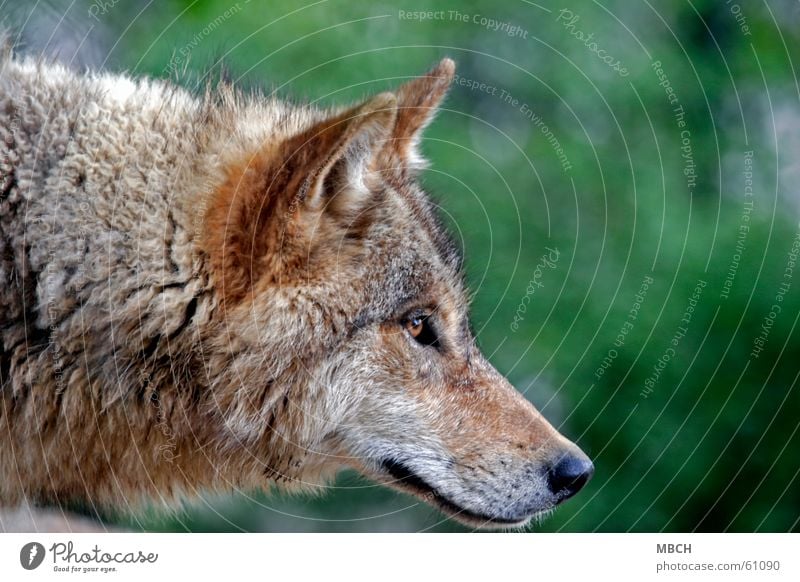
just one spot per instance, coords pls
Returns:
(345, 331)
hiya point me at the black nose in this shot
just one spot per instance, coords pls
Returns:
(569, 475)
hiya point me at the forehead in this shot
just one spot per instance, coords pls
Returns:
(422, 215)
(421, 263)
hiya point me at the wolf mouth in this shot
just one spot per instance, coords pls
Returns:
(406, 478)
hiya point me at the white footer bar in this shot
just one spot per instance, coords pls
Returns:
(401, 557)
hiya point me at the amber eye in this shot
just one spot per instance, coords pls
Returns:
(419, 327)
(415, 326)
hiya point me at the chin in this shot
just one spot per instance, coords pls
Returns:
(401, 477)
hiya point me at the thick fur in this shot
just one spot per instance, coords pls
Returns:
(208, 293)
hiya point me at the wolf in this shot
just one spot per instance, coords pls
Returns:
(218, 290)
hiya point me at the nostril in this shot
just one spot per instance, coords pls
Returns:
(569, 475)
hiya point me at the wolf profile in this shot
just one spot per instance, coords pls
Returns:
(218, 291)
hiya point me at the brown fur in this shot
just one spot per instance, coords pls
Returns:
(208, 294)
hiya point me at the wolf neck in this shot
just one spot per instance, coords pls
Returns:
(112, 336)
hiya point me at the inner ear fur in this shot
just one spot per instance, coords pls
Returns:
(253, 218)
(417, 103)
(336, 154)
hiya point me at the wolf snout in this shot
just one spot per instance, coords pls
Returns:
(569, 474)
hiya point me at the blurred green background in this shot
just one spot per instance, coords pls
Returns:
(703, 438)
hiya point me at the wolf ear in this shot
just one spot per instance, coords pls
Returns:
(417, 103)
(337, 152)
(242, 237)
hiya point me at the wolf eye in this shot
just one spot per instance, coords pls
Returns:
(420, 329)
